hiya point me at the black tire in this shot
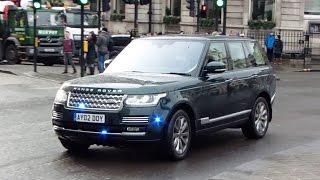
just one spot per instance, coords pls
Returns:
(181, 137)
(258, 124)
(12, 54)
(73, 146)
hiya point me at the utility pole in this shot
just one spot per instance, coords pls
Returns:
(198, 15)
(216, 18)
(82, 39)
(36, 5)
(35, 39)
(136, 4)
(224, 18)
(99, 14)
(150, 16)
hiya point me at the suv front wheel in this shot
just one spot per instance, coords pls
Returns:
(178, 138)
(258, 123)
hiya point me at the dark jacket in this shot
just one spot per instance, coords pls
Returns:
(92, 54)
(104, 43)
(278, 47)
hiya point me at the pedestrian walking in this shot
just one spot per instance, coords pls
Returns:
(278, 48)
(92, 54)
(104, 43)
(269, 43)
(68, 48)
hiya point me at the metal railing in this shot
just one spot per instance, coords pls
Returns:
(294, 42)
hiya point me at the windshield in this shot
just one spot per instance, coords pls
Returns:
(46, 18)
(158, 56)
(74, 19)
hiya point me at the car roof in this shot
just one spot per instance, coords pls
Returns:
(198, 37)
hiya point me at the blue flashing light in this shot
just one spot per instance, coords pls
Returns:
(81, 106)
(104, 132)
(157, 119)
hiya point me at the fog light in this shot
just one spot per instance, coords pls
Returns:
(157, 119)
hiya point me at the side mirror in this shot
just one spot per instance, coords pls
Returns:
(215, 67)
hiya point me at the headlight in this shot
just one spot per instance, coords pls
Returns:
(144, 100)
(61, 97)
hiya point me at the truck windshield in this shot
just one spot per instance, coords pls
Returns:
(158, 56)
(46, 18)
(74, 19)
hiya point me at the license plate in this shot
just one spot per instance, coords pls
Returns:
(49, 50)
(90, 118)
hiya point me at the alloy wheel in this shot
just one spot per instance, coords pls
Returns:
(261, 117)
(181, 135)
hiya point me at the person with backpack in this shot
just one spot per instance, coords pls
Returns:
(278, 48)
(269, 43)
(104, 43)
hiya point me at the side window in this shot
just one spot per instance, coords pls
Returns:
(237, 55)
(217, 52)
(255, 57)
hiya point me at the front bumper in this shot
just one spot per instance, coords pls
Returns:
(118, 128)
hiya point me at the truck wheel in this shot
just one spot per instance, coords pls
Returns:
(12, 54)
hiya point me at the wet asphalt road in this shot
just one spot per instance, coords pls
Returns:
(30, 150)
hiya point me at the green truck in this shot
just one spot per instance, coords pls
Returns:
(16, 35)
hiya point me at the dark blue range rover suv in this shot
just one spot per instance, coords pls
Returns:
(167, 90)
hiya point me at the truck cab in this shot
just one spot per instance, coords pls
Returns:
(18, 37)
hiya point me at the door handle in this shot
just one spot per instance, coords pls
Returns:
(254, 75)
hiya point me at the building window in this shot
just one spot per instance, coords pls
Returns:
(174, 7)
(314, 28)
(312, 7)
(119, 6)
(262, 10)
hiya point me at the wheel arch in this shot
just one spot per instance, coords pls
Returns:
(13, 41)
(185, 106)
(267, 96)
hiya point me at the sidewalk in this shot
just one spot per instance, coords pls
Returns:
(302, 162)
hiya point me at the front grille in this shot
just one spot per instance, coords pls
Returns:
(50, 42)
(95, 101)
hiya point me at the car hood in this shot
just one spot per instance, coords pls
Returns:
(134, 83)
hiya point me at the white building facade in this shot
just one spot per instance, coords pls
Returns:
(173, 16)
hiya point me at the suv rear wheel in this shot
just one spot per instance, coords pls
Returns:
(258, 123)
(73, 146)
(178, 138)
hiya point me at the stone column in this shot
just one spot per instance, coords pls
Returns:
(188, 24)
(292, 14)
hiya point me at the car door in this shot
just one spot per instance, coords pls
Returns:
(239, 92)
(259, 69)
(214, 103)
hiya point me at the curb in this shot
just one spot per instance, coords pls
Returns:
(308, 70)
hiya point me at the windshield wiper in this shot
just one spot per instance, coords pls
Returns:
(177, 73)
